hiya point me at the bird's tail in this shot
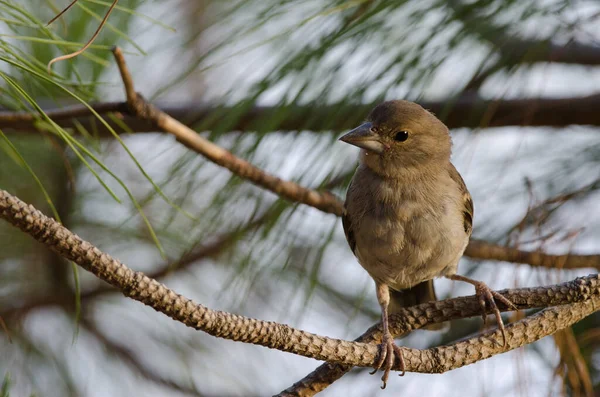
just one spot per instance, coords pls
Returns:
(420, 293)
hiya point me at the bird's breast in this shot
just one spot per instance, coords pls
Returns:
(403, 234)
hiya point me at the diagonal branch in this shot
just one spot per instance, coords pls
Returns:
(323, 201)
(581, 295)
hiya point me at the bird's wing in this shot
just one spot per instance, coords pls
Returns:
(468, 209)
(348, 228)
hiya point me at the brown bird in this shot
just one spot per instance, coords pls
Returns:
(408, 214)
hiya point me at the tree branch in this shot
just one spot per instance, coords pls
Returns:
(323, 201)
(478, 249)
(446, 358)
(467, 110)
(138, 286)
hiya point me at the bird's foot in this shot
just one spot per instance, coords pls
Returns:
(388, 352)
(487, 298)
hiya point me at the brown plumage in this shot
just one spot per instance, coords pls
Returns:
(408, 213)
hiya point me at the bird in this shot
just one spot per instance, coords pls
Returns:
(408, 215)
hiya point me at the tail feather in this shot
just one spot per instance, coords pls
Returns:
(420, 293)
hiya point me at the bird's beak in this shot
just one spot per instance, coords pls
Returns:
(364, 138)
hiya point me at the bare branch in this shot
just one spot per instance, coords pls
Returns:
(446, 358)
(136, 285)
(466, 110)
(323, 201)
(60, 14)
(478, 249)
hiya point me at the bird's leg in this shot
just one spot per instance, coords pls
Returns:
(388, 350)
(487, 296)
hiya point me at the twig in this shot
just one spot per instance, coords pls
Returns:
(90, 41)
(323, 201)
(136, 285)
(62, 12)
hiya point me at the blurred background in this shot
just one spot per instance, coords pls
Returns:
(276, 82)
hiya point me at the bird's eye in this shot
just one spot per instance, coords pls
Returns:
(401, 136)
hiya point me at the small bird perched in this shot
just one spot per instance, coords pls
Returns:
(408, 214)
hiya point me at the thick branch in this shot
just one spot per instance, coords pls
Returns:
(446, 358)
(464, 111)
(138, 286)
(328, 373)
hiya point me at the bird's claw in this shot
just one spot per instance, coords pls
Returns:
(487, 298)
(388, 352)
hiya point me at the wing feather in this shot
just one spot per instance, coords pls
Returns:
(468, 209)
(348, 228)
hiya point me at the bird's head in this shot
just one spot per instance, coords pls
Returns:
(400, 135)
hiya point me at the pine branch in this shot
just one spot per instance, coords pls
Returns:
(578, 298)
